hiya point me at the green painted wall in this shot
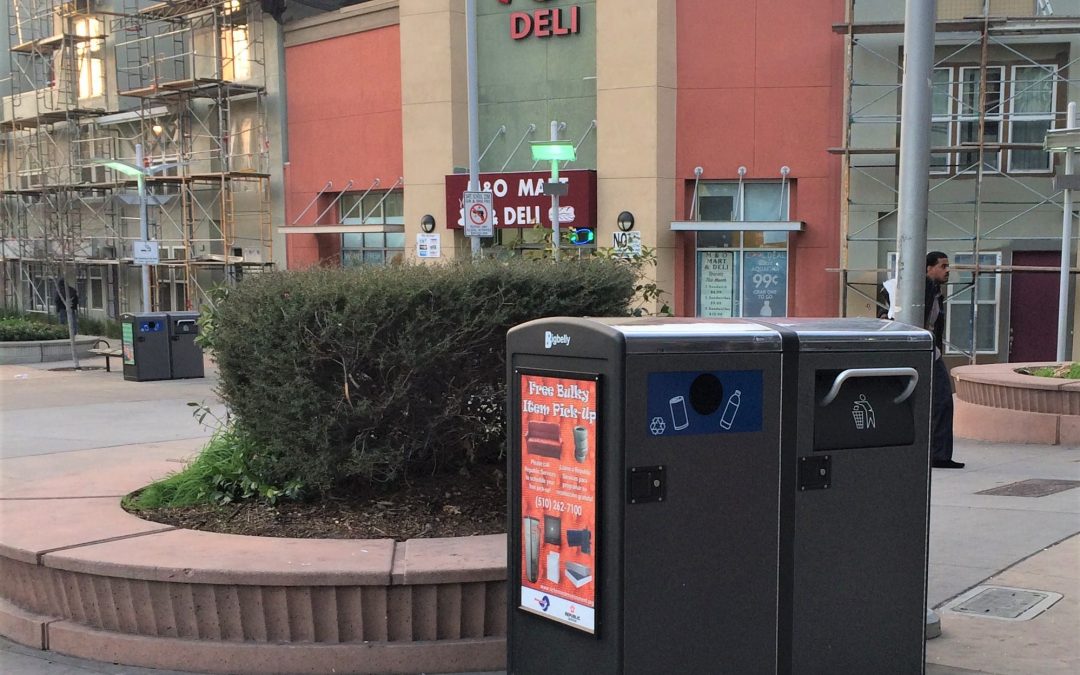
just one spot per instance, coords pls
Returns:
(535, 80)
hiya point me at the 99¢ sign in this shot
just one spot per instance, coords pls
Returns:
(479, 221)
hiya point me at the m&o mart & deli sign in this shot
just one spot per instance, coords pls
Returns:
(547, 22)
(519, 199)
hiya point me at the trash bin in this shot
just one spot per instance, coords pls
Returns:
(681, 501)
(145, 339)
(185, 355)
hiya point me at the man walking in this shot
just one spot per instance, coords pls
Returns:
(941, 402)
(65, 293)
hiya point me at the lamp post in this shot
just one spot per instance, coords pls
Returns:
(1065, 140)
(140, 173)
(554, 151)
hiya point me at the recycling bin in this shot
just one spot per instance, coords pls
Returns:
(692, 495)
(185, 356)
(145, 345)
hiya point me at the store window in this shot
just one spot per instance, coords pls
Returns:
(385, 207)
(742, 272)
(90, 53)
(372, 248)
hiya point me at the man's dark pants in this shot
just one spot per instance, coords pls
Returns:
(941, 413)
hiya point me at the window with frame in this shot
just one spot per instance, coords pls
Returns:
(172, 281)
(377, 207)
(960, 314)
(95, 284)
(371, 248)
(1018, 108)
(90, 55)
(742, 272)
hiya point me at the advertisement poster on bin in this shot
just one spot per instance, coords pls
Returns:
(559, 418)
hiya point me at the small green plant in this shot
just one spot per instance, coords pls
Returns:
(225, 472)
(19, 329)
(109, 328)
(1068, 371)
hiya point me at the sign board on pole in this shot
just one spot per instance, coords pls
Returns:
(479, 221)
(145, 253)
(626, 244)
(428, 245)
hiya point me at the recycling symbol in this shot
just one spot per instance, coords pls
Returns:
(657, 426)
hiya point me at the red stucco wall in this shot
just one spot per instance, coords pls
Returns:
(344, 107)
(761, 86)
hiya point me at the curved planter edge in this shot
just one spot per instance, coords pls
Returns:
(995, 403)
(44, 351)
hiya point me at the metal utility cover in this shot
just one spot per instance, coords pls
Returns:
(1033, 487)
(1004, 603)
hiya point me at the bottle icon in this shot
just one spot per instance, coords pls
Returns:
(730, 410)
(766, 309)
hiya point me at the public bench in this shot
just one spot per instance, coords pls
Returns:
(108, 352)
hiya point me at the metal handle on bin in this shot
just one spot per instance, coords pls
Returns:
(185, 322)
(910, 373)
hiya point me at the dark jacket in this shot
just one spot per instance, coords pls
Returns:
(934, 293)
(72, 295)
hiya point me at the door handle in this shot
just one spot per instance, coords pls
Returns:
(852, 373)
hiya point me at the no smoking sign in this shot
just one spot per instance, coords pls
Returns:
(478, 214)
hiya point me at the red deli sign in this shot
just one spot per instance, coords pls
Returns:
(519, 199)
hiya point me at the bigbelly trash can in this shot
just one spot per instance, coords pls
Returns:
(185, 356)
(145, 345)
(727, 496)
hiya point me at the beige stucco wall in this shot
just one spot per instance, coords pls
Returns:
(434, 109)
(636, 89)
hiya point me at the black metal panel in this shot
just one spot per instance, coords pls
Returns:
(701, 566)
(185, 355)
(150, 343)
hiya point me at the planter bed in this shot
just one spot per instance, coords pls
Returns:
(45, 351)
(996, 403)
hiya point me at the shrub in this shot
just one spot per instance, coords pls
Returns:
(109, 328)
(344, 378)
(18, 329)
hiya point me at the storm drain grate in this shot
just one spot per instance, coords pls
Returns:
(1003, 603)
(1033, 487)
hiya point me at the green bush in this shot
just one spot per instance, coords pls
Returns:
(109, 328)
(18, 329)
(345, 378)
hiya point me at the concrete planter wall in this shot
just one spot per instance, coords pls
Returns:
(995, 403)
(44, 351)
(82, 577)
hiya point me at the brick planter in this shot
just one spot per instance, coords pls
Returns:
(81, 577)
(995, 403)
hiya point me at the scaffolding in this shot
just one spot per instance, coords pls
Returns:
(88, 81)
(1001, 79)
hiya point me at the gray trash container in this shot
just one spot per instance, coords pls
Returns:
(185, 355)
(145, 342)
(681, 500)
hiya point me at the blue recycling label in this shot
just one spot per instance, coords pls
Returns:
(690, 403)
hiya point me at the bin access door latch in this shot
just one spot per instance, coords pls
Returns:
(646, 484)
(815, 473)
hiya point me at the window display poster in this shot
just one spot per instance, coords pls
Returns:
(764, 276)
(558, 498)
(716, 283)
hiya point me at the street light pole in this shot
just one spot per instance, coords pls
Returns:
(144, 225)
(1066, 246)
(555, 196)
(473, 106)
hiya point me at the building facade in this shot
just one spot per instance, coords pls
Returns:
(716, 149)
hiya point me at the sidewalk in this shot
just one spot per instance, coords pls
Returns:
(54, 423)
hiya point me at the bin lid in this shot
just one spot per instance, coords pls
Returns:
(855, 334)
(675, 334)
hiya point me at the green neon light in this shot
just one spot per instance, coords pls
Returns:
(553, 151)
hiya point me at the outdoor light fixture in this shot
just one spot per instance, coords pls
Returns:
(427, 223)
(157, 129)
(1062, 140)
(125, 168)
(553, 151)
(625, 221)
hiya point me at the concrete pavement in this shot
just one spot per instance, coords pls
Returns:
(54, 424)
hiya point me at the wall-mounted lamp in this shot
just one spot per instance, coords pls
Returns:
(427, 223)
(742, 171)
(785, 170)
(625, 221)
(157, 129)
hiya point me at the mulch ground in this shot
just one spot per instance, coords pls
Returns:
(439, 506)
